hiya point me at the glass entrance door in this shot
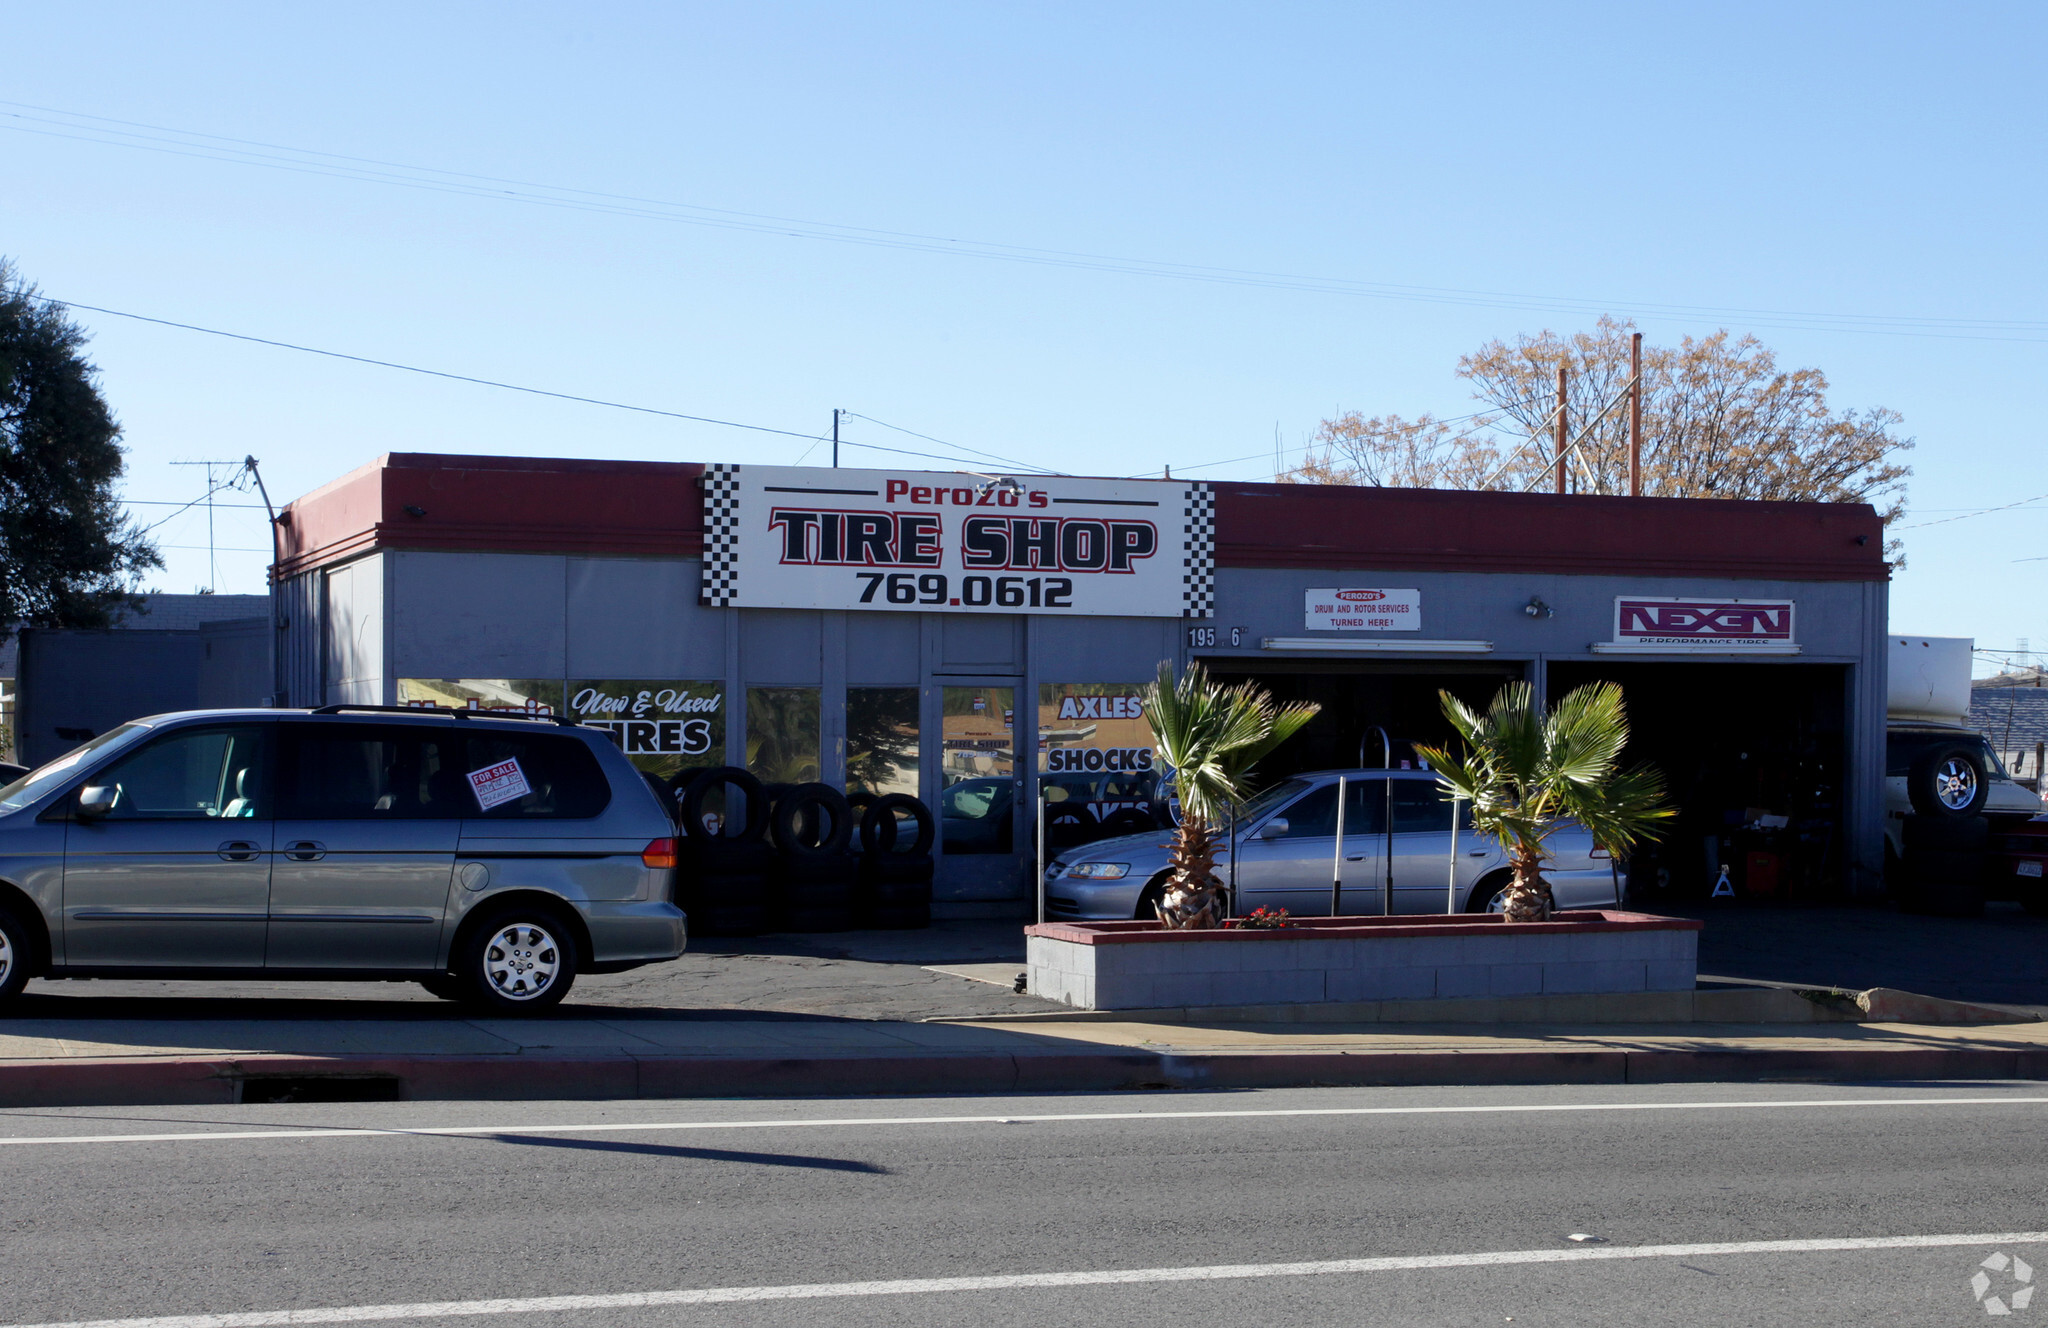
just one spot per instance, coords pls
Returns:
(985, 835)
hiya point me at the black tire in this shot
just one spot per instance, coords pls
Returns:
(2034, 900)
(733, 778)
(1490, 885)
(1944, 834)
(1149, 900)
(812, 822)
(1948, 782)
(446, 986)
(1068, 827)
(1129, 821)
(879, 832)
(20, 954)
(516, 959)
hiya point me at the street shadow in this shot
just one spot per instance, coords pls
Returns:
(691, 1154)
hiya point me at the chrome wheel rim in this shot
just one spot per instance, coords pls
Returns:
(1955, 783)
(1499, 902)
(521, 961)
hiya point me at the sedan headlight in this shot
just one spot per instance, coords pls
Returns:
(1100, 871)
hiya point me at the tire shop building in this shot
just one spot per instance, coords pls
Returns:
(885, 630)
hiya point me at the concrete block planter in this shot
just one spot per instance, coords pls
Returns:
(1141, 966)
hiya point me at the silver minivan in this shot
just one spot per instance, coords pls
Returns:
(489, 859)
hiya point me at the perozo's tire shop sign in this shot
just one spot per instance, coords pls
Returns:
(921, 541)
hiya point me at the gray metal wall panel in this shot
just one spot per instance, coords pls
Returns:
(353, 669)
(1104, 649)
(642, 618)
(981, 643)
(303, 635)
(781, 648)
(478, 615)
(1462, 606)
(95, 680)
(234, 667)
(881, 649)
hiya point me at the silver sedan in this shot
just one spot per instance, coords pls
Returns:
(1287, 856)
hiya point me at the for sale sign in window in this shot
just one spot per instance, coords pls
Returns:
(497, 784)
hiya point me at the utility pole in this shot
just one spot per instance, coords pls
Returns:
(835, 440)
(1561, 434)
(213, 486)
(1635, 416)
(278, 687)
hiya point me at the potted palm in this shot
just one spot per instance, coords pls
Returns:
(1525, 772)
(1211, 735)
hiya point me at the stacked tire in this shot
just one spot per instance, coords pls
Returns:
(723, 877)
(1945, 841)
(814, 873)
(895, 881)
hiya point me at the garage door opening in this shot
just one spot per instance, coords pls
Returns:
(1360, 697)
(1753, 758)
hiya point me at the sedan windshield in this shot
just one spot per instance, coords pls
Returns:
(43, 778)
(1279, 795)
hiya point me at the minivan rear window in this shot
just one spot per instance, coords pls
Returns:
(560, 778)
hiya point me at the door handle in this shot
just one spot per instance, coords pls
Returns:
(305, 850)
(1478, 853)
(239, 850)
(1359, 858)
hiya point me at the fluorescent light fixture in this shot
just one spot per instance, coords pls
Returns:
(1693, 648)
(1377, 645)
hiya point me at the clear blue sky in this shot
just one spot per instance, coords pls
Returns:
(1853, 159)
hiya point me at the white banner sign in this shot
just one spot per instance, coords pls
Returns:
(1364, 610)
(936, 542)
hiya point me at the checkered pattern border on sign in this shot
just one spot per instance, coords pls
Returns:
(721, 534)
(1198, 554)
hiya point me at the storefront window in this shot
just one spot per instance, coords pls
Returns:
(667, 728)
(531, 696)
(1097, 764)
(782, 734)
(881, 740)
(978, 766)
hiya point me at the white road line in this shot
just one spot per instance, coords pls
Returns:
(914, 1286)
(626, 1127)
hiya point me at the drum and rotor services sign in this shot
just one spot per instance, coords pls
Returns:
(1363, 609)
(929, 541)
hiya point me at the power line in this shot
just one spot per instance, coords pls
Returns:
(943, 443)
(413, 368)
(2006, 507)
(107, 131)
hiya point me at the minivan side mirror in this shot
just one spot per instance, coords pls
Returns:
(96, 800)
(1274, 828)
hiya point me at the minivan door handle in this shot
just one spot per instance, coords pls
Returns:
(305, 850)
(239, 850)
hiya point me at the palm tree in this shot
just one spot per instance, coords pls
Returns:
(1526, 773)
(1211, 735)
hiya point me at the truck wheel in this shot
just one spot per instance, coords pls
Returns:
(1948, 782)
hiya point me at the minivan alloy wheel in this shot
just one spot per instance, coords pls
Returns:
(521, 961)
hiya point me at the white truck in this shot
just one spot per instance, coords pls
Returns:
(1936, 765)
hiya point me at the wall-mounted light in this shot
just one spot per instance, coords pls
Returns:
(413, 510)
(1536, 608)
(997, 485)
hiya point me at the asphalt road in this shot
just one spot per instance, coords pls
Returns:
(1468, 1211)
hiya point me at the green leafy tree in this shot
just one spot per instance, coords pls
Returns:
(1212, 736)
(68, 557)
(1526, 773)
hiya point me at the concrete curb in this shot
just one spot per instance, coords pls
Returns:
(167, 1081)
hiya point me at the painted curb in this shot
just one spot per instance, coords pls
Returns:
(170, 1081)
